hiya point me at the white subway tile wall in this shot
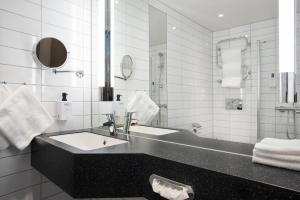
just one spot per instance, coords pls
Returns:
(193, 94)
(22, 24)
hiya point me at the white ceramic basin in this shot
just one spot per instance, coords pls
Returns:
(151, 130)
(87, 141)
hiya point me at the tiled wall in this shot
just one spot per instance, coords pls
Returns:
(235, 125)
(242, 125)
(131, 35)
(189, 64)
(189, 50)
(22, 24)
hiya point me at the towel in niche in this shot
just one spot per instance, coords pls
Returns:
(5, 92)
(23, 117)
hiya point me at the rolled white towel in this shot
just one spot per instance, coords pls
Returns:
(5, 92)
(22, 117)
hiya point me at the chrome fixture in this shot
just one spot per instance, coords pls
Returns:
(233, 104)
(79, 73)
(127, 124)
(111, 123)
(294, 110)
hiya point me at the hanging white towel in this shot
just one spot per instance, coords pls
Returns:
(232, 68)
(5, 92)
(22, 117)
(143, 107)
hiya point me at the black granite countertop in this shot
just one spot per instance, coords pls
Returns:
(236, 164)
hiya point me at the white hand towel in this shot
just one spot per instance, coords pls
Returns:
(5, 92)
(22, 117)
(143, 106)
(232, 68)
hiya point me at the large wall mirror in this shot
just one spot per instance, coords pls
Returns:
(211, 67)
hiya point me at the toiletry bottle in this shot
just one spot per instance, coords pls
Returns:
(64, 108)
(119, 110)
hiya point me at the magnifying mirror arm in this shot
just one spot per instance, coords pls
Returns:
(79, 73)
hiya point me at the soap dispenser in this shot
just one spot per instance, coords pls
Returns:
(64, 108)
(119, 110)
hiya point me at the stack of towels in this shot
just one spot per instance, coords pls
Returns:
(278, 153)
(22, 117)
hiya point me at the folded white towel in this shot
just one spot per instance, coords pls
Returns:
(276, 156)
(279, 146)
(143, 107)
(276, 163)
(22, 117)
(5, 92)
(278, 152)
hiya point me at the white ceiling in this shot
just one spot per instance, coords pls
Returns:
(236, 12)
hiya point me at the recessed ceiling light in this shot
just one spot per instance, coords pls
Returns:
(117, 2)
(246, 36)
(174, 28)
(220, 15)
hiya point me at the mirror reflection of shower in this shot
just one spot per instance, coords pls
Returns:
(158, 64)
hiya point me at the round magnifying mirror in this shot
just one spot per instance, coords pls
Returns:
(126, 66)
(50, 53)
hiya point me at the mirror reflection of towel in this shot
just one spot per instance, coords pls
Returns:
(143, 107)
(5, 92)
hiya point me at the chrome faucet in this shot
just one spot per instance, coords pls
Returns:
(111, 124)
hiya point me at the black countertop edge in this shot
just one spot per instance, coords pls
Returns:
(227, 163)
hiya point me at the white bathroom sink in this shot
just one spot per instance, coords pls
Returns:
(151, 130)
(87, 141)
